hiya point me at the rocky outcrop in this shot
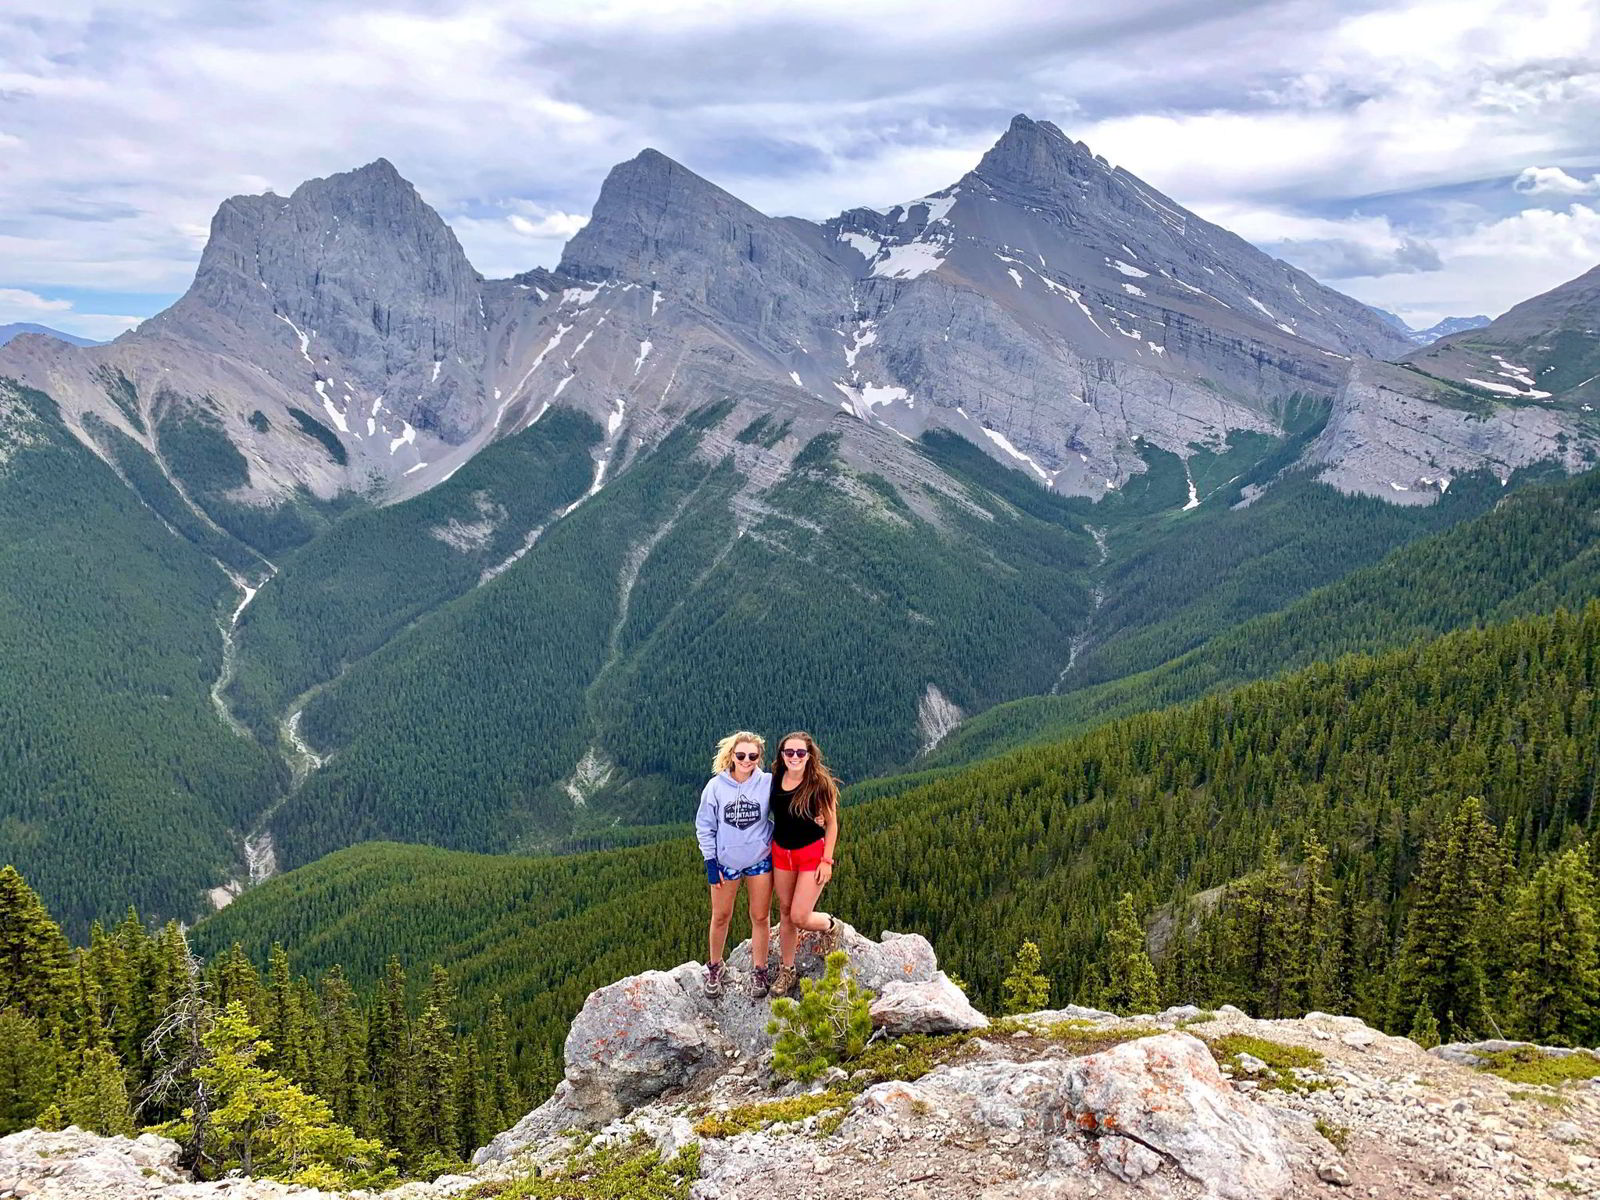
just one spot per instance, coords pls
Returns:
(648, 1035)
(934, 1006)
(1397, 434)
(1051, 1106)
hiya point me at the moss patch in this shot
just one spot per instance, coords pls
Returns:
(751, 1117)
(1281, 1061)
(1086, 1037)
(1524, 1064)
(632, 1171)
(910, 1058)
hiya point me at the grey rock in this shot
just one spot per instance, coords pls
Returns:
(643, 1036)
(1567, 1132)
(934, 1006)
(1334, 1173)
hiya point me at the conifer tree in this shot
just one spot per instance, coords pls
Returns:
(1553, 934)
(390, 1062)
(471, 1097)
(436, 1127)
(27, 1071)
(1131, 985)
(96, 1095)
(33, 950)
(1025, 989)
(1441, 963)
(504, 1101)
(262, 1124)
(238, 979)
(1313, 939)
(1424, 1029)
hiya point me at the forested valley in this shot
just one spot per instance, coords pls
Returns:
(1400, 836)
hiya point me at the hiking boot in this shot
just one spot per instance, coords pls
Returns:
(758, 982)
(713, 980)
(784, 983)
(828, 939)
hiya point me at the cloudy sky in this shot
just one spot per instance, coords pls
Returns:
(1434, 157)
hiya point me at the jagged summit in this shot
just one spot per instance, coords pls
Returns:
(1035, 157)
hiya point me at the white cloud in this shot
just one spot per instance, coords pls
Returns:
(18, 300)
(507, 115)
(1537, 181)
(1493, 266)
(18, 305)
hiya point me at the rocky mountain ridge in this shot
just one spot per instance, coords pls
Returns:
(1054, 310)
(1061, 1103)
(18, 328)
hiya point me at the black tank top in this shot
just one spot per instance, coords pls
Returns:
(789, 831)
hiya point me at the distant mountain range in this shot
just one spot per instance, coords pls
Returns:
(1437, 330)
(18, 328)
(351, 543)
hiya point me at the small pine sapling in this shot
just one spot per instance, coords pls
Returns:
(829, 1024)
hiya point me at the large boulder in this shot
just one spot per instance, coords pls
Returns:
(652, 1033)
(936, 1006)
(1151, 1117)
(1165, 1093)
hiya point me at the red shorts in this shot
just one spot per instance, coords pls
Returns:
(807, 858)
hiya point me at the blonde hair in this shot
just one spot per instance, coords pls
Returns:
(723, 759)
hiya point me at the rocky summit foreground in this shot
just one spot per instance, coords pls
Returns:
(1066, 1103)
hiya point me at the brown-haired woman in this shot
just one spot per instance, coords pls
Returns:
(805, 826)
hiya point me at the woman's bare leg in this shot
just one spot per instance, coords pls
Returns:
(722, 898)
(803, 914)
(758, 892)
(788, 935)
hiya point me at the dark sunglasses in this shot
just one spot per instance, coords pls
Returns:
(747, 757)
(795, 753)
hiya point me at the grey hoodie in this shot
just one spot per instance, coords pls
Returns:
(734, 824)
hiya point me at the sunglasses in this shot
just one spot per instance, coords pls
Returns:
(747, 757)
(795, 753)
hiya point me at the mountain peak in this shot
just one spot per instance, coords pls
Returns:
(646, 205)
(1035, 156)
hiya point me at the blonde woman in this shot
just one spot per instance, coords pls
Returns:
(734, 827)
(805, 811)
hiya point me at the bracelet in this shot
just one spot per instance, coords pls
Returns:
(829, 861)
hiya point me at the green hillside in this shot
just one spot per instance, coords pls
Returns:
(1536, 549)
(1367, 756)
(119, 781)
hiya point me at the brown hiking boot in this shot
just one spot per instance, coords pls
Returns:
(785, 981)
(828, 939)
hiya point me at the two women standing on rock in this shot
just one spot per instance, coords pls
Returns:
(766, 829)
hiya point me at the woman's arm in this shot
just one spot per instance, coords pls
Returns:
(830, 835)
(705, 823)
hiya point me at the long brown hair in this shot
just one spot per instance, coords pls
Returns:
(818, 793)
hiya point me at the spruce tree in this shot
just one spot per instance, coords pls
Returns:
(33, 951)
(1131, 985)
(1554, 975)
(27, 1071)
(1025, 989)
(390, 1062)
(1441, 963)
(96, 1095)
(504, 1101)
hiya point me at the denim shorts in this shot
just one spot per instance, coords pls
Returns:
(764, 867)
